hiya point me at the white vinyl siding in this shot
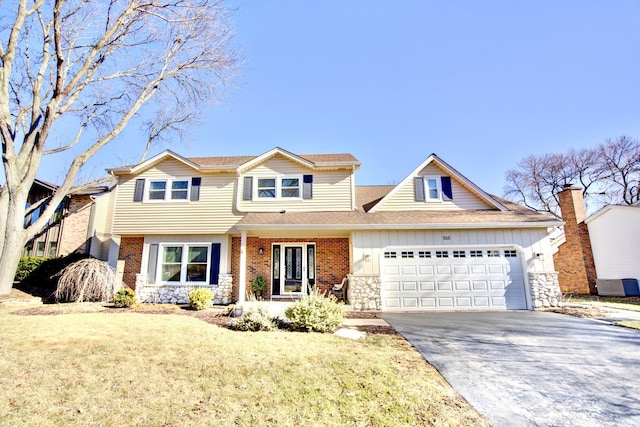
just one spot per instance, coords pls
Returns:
(332, 190)
(372, 243)
(615, 241)
(213, 213)
(404, 198)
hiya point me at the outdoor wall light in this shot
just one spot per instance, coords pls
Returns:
(261, 251)
(366, 258)
(540, 256)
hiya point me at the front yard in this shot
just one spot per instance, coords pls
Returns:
(127, 368)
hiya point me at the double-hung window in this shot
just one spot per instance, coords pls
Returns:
(184, 263)
(169, 189)
(432, 188)
(278, 187)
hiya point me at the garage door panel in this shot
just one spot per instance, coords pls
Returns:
(465, 283)
(408, 270)
(409, 286)
(392, 286)
(446, 302)
(463, 286)
(427, 286)
(444, 286)
(410, 302)
(443, 269)
(481, 302)
(463, 302)
(480, 285)
(426, 270)
(478, 269)
(461, 269)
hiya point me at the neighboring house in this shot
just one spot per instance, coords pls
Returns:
(604, 245)
(434, 241)
(615, 241)
(71, 227)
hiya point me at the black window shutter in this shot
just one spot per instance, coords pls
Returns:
(447, 193)
(418, 184)
(138, 194)
(152, 263)
(307, 186)
(247, 189)
(195, 189)
(214, 270)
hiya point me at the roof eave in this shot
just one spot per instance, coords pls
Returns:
(255, 227)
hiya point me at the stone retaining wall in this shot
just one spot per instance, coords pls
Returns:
(179, 294)
(545, 290)
(364, 292)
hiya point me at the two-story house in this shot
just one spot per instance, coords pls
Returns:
(434, 241)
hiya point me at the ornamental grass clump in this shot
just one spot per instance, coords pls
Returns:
(200, 299)
(85, 281)
(255, 318)
(315, 312)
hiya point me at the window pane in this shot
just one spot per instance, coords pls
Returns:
(290, 187)
(179, 190)
(198, 254)
(196, 272)
(267, 187)
(172, 254)
(40, 249)
(432, 185)
(53, 249)
(171, 272)
(157, 190)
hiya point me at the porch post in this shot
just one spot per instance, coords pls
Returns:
(243, 267)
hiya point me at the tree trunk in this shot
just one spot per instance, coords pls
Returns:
(13, 244)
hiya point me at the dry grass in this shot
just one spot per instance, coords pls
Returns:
(621, 303)
(630, 324)
(173, 370)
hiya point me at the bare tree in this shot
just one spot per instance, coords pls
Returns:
(94, 67)
(608, 173)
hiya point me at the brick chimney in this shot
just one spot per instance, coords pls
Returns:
(574, 259)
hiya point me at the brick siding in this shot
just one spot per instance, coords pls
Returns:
(332, 260)
(75, 225)
(131, 253)
(574, 259)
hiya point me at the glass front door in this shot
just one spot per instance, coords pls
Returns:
(294, 275)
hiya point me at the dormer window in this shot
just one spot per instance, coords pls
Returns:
(267, 188)
(432, 188)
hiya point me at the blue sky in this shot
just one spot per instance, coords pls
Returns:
(481, 84)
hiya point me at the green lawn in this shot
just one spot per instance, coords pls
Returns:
(126, 368)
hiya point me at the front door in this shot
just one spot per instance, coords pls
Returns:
(293, 268)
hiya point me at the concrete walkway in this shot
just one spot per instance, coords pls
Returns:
(521, 368)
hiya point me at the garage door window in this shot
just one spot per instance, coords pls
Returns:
(442, 254)
(510, 253)
(407, 254)
(475, 254)
(390, 254)
(424, 254)
(459, 254)
(493, 253)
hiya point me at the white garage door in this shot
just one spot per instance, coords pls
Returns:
(452, 279)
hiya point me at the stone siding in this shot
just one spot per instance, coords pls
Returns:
(545, 290)
(364, 292)
(179, 294)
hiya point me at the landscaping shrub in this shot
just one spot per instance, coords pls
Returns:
(315, 312)
(43, 281)
(200, 299)
(125, 297)
(256, 318)
(27, 266)
(86, 280)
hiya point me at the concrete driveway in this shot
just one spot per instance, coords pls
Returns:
(522, 368)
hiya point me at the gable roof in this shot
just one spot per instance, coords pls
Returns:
(628, 208)
(433, 158)
(235, 163)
